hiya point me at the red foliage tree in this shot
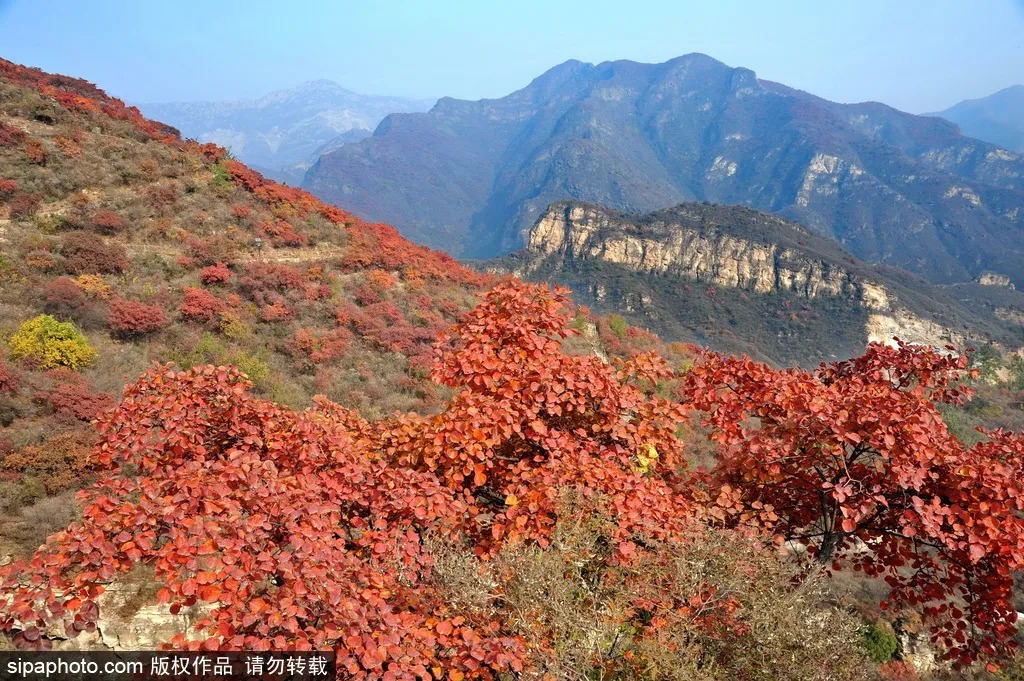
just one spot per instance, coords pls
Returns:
(8, 379)
(305, 530)
(7, 189)
(25, 204)
(35, 151)
(71, 396)
(855, 462)
(216, 274)
(132, 319)
(106, 220)
(10, 136)
(89, 253)
(200, 306)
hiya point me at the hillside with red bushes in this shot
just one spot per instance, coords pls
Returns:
(330, 438)
(161, 249)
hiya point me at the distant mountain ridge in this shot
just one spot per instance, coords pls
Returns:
(998, 118)
(472, 177)
(739, 280)
(283, 132)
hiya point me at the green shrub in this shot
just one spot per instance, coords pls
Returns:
(1016, 367)
(617, 324)
(253, 366)
(879, 643)
(47, 343)
(221, 177)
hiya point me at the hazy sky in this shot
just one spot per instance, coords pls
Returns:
(917, 55)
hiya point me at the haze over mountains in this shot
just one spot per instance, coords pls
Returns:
(891, 187)
(998, 118)
(282, 133)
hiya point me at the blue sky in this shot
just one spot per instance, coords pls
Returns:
(917, 55)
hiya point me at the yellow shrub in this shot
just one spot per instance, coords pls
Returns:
(48, 343)
(94, 285)
(646, 457)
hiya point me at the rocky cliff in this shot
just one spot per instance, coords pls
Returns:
(670, 246)
(742, 280)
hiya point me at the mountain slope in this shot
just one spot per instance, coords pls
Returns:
(147, 244)
(472, 177)
(998, 118)
(283, 132)
(739, 280)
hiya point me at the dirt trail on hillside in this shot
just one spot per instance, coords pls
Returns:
(267, 255)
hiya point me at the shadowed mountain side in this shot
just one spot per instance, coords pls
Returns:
(472, 177)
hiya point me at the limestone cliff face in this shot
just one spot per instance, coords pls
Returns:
(768, 255)
(582, 232)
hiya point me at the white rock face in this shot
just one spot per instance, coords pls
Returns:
(715, 258)
(581, 232)
(995, 279)
(823, 176)
(963, 193)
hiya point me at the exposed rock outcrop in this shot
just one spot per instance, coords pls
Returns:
(668, 246)
(131, 619)
(727, 247)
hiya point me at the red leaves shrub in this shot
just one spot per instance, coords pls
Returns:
(898, 670)
(11, 136)
(241, 210)
(216, 274)
(281, 233)
(212, 250)
(25, 205)
(71, 397)
(70, 146)
(35, 151)
(163, 196)
(211, 152)
(263, 282)
(200, 306)
(132, 319)
(105, 220)
(276, 312)
(366, 295)
(89, 253)
(8, 379)
(60, 462)
(320, 346)
(7, 189)
(64, 297)
(243, 176)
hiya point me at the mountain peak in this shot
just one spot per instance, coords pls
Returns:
(996, 118)
(639, 137)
